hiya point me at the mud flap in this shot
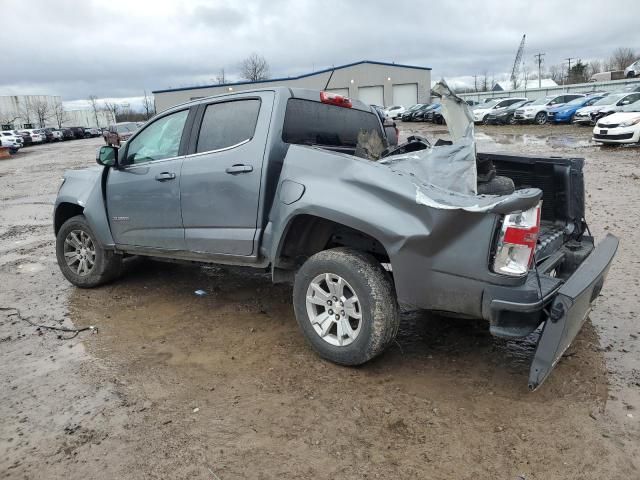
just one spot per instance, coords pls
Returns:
(569, 310)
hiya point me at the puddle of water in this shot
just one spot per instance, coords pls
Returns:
(30, 267)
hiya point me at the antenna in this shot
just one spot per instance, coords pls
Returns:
(515, 72)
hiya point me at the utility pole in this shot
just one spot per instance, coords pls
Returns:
(475, 83)
(538, 57)
(569, 69)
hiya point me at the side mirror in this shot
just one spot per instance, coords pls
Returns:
(107, 156)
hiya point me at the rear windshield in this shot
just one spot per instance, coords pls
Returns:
(313, 123)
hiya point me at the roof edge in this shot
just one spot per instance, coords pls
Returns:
(305, 75)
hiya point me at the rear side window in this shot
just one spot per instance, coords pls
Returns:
(227, 124)
(313, 123)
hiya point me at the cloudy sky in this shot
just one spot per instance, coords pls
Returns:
(114, 48)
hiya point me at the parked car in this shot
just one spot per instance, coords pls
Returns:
(67, 134)
(406, 116)
(428, 115)
(119, 133)
(621, 127)
(36, 136)
(564, 113)
(13, 136)
(255, 194)
(605, 106)
(57, 134)
(633, 70)
(11, 142)
(394, 111)
(504, 115)
(472, 103)
(26, 137)
(536, 111)
(420, 114)
(607, 76)
(78, 132)
(484, 109)
(91, 132)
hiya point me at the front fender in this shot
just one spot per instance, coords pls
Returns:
(85, 189)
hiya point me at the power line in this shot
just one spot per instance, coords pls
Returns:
(538, 57)
(569, 69)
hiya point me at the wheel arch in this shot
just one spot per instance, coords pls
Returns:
(65, 211)
(306, 234)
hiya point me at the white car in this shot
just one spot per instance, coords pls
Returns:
(480, 112)
(57, 135)
(621, 127)
(36, 136)
(536, 111)
(11, 142)
(612, 103)
(633, 70)
(394, 111)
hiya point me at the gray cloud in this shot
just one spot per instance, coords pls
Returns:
(119, 48)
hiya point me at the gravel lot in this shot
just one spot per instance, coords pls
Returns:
(223, 386)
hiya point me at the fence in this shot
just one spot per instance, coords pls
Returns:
(533, 93)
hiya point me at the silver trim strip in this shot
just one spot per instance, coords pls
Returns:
(220, 149)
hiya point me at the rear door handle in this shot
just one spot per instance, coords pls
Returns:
(239, 169)
(164, 176)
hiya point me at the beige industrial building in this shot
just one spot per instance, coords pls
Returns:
(21, 111)
(377, 83)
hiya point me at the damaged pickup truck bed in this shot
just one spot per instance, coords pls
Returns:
(308, 184)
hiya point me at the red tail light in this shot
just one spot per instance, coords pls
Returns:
(517, 242)
(335, 99)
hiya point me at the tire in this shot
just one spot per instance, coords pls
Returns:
(497, 186)
(485, 120)
(363, 276)
(106, 264)
(541, 118)
(512, 120)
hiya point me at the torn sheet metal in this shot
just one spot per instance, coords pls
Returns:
(446, 167)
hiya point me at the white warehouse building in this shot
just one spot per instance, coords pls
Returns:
(377, 83)
(21, 112)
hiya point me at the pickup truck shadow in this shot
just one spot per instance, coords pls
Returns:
(239, 313)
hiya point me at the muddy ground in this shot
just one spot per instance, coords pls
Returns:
(223, 386)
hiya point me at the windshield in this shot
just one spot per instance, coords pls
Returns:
(487, 105)
(632, 107)
(576, 101)
(127, 127)
(609, 100)
(542, 101)
(415, 107)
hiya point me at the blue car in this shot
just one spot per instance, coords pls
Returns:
(564, 113)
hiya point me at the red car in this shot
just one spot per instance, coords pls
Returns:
(119, 132)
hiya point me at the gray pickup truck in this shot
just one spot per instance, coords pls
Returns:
(309, 185)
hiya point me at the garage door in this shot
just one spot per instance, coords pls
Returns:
(405, 94)
(371, 95)
(339, 91)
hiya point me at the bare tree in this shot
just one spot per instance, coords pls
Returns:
(93, 100)
(622, 57)
(593, 67)
(149, 106)
(59, 113)
(8, 118)
(557, 73)
(220, 78)
(25, 111)
(484, 82)
(41, 111)
(112, 109)
(254, 68)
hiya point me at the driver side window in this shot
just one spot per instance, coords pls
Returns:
(159, 140)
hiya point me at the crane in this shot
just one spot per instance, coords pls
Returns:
(515, 73)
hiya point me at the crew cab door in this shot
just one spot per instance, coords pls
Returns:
(143, 195)
(220, 185)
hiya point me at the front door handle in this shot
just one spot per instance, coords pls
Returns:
(238, 168)
(164, 176)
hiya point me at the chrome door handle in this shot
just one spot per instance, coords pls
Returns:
(164, 176)
(239, 169)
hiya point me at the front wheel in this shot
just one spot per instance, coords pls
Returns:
(346, 306)
(81, 258)
(541, 118)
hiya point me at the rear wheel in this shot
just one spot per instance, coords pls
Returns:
(81, 258)
(345, 304)
(541, 118)
(512, 120)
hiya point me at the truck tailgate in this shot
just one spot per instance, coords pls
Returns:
(570, 308)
